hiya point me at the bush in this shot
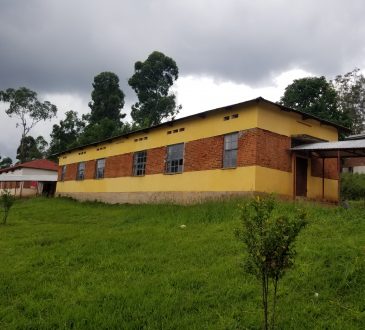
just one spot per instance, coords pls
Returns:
(7, 201)
(269, 237)
(353, 186)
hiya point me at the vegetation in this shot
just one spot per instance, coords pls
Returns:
(341, 101)
(269, 238)
(152, 81)
(24, 105)
(30, 148)
(353, 186)
(6, 202)
(5, 162)
(65, 265)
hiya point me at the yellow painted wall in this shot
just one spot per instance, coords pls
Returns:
(239, 179)
(290, 123)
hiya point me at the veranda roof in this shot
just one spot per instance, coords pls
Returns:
(348, 148)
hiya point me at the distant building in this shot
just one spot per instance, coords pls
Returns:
(354, 165)
(31, 178)
(244, 148)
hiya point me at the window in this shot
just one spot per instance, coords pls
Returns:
(80, 171)
(139, 163)
(63, 173)
(230, 150)
(175, 158)
(100, 166)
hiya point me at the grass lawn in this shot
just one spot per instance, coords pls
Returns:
(65, 264)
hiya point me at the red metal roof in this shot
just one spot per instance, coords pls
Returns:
(42, 164)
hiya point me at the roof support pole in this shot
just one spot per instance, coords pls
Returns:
(339, 176)
(294, 171)
(323, 159)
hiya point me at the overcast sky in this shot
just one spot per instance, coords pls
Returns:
(227, 51)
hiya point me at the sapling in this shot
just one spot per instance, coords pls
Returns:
(7, 201)
(269, 237)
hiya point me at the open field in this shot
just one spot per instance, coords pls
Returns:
(65, 264)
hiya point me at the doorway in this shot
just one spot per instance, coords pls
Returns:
(301, 177)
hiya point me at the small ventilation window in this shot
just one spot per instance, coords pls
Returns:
(226, 118)
(234, 116)
(169, 132)
(182, 129)
(175, 131)
(135, 140)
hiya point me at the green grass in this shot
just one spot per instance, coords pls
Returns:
(65, 265)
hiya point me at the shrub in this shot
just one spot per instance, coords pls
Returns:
(269, 237)
(7, 201)
(353, 186)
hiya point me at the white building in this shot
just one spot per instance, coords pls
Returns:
(31, 178)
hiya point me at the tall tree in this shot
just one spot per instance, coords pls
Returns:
(66, 135)
(5, 162)
(351, 98)
(29, 151)
(152, 81)
(107, 98)
(316, 96)
(24, 105)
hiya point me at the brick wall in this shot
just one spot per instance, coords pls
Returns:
(71, 170)
(330, 168)
(352, 162)
(255, 147)
(204, 154)
(156, 160)
(120, 165)
(90, 169)
(273, 150)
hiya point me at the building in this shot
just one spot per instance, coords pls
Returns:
(31, 178)
(355, 165)
(233, 150)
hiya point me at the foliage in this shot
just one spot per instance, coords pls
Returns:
(66, 264)
(30, 149)
(107, 99)
(351, 98)
(353, 186)
(66, 135)
(5, 162)
(152, 81)
(6, 201)
(269, 239)
(24, 105)
(316, 96)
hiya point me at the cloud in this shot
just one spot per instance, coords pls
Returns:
(59, 46)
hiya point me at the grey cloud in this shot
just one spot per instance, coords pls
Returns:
(59, 46)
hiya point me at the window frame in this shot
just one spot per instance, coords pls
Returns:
(96, 168)
(169, 166)
(139, 165)
(227, 161)
(63, 172)
(78, 177)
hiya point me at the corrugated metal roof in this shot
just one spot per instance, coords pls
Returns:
(335, 145)
(43, 164)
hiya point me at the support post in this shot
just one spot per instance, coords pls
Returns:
(323, 159)
(294, 164)
(339, 176)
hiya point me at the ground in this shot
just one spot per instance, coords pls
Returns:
(65, 264)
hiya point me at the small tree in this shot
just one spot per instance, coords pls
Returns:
(7, 201)
(269, 239)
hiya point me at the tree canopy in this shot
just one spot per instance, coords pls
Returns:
(32, 149)
(24, 105)
(107, 98)
(351, 98)
(5, 162)
(316, 96)
(66, 134)
(152, 81)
